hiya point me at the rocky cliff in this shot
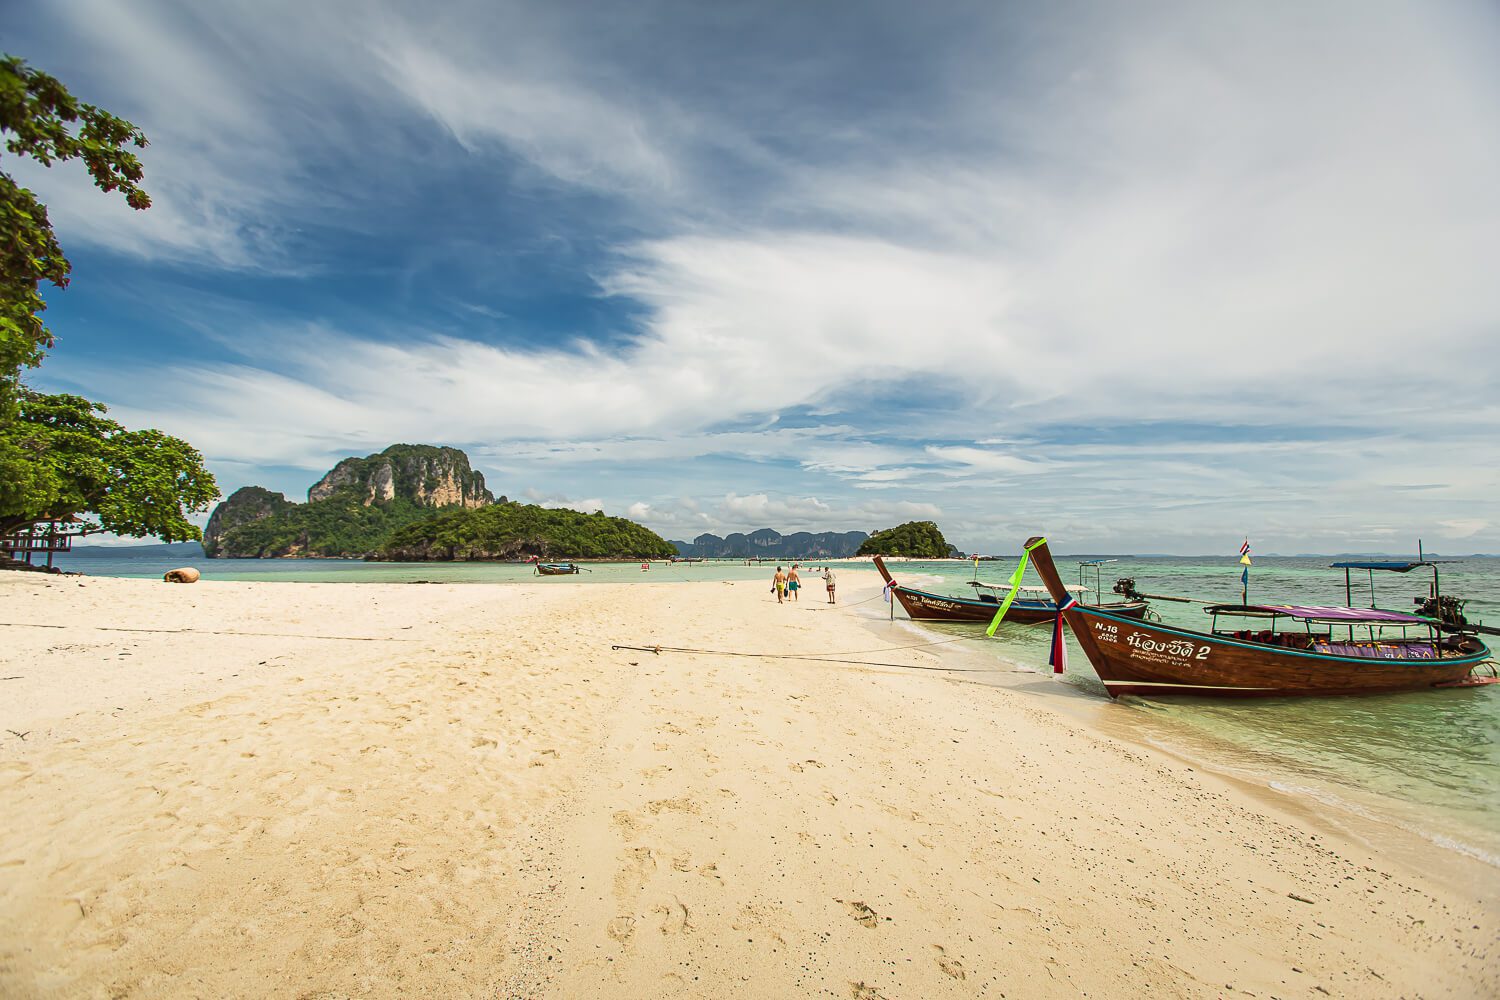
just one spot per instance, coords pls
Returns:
(351, 510)
(426, 475)
(244, 506)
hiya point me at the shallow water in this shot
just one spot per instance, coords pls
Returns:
(1428, 762)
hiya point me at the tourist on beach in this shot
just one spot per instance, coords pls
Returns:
(831, 580)
(778, 584)
(793, 582)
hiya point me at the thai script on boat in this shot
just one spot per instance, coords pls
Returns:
(1170, 647)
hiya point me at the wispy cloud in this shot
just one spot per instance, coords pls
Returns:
(1273, 223)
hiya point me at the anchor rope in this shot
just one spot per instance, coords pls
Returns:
(828, 657)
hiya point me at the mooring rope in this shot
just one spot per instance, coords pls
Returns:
(843, 607)
(820, 657)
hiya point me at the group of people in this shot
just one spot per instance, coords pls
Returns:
(787, 584)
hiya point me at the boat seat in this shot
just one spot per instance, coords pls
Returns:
(989, 599)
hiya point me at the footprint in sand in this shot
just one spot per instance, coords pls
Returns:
(711, 871)
(861, 913)
(674, 916)
(637, 863)
(682, 805)
(761, 920)
(950, 966)
(13, 772)
(622, 929)
(683, 864)
(859, 991)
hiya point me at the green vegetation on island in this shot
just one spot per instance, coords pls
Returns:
(340, 527)
(415, 502)
(60, 458)
(516, 531)
(352, 511)
(914, 540)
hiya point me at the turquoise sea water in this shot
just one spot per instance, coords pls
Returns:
(1428, 762)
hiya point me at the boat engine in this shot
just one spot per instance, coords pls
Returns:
(1448, 610)
(1125, 587)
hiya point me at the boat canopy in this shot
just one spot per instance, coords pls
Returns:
(1319, 613)
(1393, 567)
(1025, 589)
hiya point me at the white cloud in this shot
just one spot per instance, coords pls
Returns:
(577, 135)
(1183, 215)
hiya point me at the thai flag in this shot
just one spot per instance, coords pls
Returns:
(1245, 548)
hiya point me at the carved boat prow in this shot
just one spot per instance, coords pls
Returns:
(1142, 658)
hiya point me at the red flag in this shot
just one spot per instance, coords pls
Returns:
(1059, 655)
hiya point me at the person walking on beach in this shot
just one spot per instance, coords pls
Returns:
(831, 580)
(778, 584)
(793, 582)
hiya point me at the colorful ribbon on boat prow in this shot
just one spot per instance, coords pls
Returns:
(1015, 585)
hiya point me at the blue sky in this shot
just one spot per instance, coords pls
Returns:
(1145, 277)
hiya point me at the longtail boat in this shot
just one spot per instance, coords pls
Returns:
(921, 605)
(1338, 650)
(556, 569)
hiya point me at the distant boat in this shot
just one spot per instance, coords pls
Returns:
(1133, 657)
(556, 569)
(921, 605)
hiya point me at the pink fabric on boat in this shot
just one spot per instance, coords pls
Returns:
(1342, 614)
(1384, 651)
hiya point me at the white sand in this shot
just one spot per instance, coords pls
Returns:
(488, 801)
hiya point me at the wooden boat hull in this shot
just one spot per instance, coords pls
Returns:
(921, 605)
(1153, 660)
(1147, 659)
(556, 570)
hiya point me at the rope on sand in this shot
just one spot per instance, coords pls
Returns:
(206, 631)
(846, 607)
(822, 658)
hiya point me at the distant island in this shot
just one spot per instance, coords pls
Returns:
(414, 502)
(914, 540)
(766, 543)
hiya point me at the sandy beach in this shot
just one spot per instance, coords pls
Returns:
(274, 789)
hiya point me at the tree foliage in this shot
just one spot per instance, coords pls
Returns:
(914, 539)
(75, 460)
(40, 119)
(59, 455)
(513, 531)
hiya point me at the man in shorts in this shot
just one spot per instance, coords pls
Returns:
(778, 584)
(831, 580)
(793, 582)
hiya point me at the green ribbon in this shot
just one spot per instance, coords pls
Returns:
(1015, 585)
